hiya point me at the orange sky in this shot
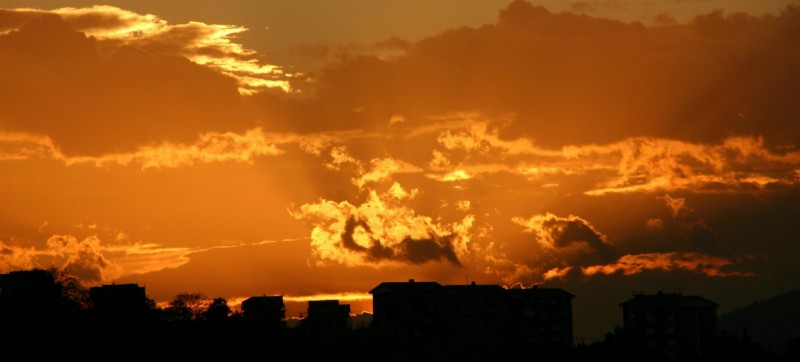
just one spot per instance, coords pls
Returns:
(603, 147)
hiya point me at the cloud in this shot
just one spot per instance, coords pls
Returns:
(340, 156)
(80, 258)
(57, 82)
(694, 262)
(571, 246)
(655, 224)
(571, 240)
(593, 6)
(396, 119)
(676, 205)
(382, 169)
(16, 258)
(575, 79)
(211, 45)
(738, 164)
(343, 297)
(98, 254)
(480, 138)
(382, 229)
(636, 165)
(21, 146)
(94, 254)
(209, 147)
(559, 245)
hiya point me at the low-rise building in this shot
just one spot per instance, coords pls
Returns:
(474, 319)
(264, 310)
(327, 316)
(119, 301)
(668, 325)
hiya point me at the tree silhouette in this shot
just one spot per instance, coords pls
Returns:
(187, 307)
(218, 310)
(73, 293)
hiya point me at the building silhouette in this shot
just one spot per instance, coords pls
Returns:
(408, 310)
(474, 319)
(476, 316)
(668, 325)
(542, 317)
(267, 311)
(29, 295)
(119, 302)
(327, 316)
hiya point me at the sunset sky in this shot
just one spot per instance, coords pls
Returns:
(317, 148)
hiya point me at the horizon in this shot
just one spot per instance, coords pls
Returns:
(310, 148)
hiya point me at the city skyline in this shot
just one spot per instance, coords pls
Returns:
(316, 149)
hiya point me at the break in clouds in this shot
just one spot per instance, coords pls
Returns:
(543, 146)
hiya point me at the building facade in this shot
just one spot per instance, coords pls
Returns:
(474, 319)
(327, 316)
(119, 301)
(668, 325)
(267, 311)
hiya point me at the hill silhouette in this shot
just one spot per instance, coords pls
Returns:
(774, 323)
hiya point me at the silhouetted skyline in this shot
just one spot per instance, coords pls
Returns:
(412, 319)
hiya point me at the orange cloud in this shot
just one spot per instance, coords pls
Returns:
(60, 83)
(676, 205)
(640, 164)
(647, 165)
(210, 147)
(16, 146)
(654, 224)
(99, 254)
(570, 239)
(382, 229)
(478, 137)
(340, 156)
(694, 262)
(211, 45)
(556, 273)
(90, 259)
(382, 169)
(572, 79)
(343, 297)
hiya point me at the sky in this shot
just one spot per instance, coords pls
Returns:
(317, 148)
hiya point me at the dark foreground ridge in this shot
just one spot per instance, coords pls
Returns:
(45, 315)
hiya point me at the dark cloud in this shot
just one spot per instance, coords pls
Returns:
(701, 238)
(87, 267)
(62, 40)
(14, 19)
(82, 258)
(55, 82)
(575, 79)
(424, 250)
(571, 240)
(409, 250)
(593, 6)
(574, 232)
